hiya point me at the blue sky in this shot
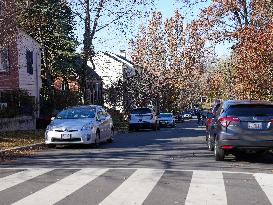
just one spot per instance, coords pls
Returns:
(114, 41)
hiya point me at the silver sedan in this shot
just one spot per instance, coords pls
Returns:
(80, 125)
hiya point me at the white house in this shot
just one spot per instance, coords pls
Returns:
(112, 67)
(29, 64)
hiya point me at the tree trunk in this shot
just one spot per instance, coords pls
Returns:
(86, 49)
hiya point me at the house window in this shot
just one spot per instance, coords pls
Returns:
(4, 59)
(29, 57)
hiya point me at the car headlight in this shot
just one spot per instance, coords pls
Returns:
(86, 127)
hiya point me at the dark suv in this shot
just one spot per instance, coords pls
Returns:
(241, 126)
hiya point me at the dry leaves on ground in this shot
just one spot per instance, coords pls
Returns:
(9, 140)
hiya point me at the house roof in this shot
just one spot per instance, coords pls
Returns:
(119, 58)
(21, 31)
(91, 73)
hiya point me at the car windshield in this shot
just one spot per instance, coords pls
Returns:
(250, 110)
(76, 113)
(165, 115)
(141, 111)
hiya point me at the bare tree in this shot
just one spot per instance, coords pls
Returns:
(103, 15)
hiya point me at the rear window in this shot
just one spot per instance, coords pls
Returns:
(141, 111)
(250, 110)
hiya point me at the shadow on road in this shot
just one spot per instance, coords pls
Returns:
(183, 147)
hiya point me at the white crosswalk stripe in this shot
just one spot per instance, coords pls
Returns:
(266, 183)
(20, 177)
(204, 187)
(62, 188)
(135, 189)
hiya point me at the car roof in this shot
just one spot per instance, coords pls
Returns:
(228, 103)
(86, 106)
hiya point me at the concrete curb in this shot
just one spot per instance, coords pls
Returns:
(32, 146)
(27, 147)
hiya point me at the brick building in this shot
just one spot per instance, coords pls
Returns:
(20, 55)
(9, 75)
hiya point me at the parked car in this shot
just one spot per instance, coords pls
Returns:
(208, 120)
(241, 127)
(210, 117)
(89, 124)
(187, 115)
(143, 118)
(166, 119)
(179, 118)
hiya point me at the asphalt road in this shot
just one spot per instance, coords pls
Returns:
(170, 166)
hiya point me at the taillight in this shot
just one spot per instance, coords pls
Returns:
(271, 120)
(225, 121)
(227, 147)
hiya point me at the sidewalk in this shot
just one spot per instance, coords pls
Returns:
(20, 143)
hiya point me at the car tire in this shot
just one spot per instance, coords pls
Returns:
(209, 143)
(218, 152)
(51, 146)
(97, 139)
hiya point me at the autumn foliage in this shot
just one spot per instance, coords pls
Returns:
(248, 24)
(169, 57)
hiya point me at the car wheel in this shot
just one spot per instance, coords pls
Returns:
(97, 139)
(110, 139)
(51, 145)
(209, 142)
(218, 152)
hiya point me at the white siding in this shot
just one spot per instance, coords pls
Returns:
(109, 69)
(30, 82)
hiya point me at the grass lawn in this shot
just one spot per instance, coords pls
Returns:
(20, 138)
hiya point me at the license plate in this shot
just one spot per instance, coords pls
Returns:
(66, 136)
(256, 126)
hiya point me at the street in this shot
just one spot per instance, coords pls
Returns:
(170, 166)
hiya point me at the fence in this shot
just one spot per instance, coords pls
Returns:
(17, 123)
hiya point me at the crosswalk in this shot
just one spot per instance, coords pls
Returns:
(121, 186)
